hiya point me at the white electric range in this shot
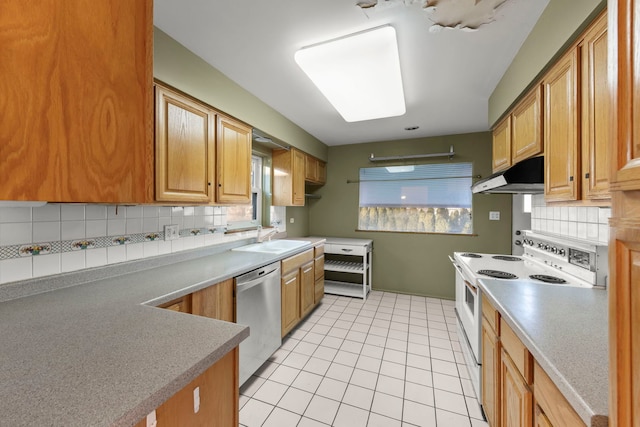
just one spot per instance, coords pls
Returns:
(547, 260)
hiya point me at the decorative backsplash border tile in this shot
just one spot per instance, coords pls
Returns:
(59, 238)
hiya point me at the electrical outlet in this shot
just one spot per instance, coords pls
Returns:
(171, 232)
(151, 419)
(494, 215)
(291, 220)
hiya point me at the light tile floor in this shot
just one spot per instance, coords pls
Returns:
(393, 360)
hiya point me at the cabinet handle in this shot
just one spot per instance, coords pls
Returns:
(308, 270)
(347, 250)
(209, 184)
(290, 280)
(570, 179)
(586, 175)
(219, 184)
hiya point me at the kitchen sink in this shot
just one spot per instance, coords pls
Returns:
(274, 246)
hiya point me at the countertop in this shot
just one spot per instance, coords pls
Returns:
(566, 331)
(100, 354)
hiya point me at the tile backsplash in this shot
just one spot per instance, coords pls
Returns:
(58, 238)
(580, 222)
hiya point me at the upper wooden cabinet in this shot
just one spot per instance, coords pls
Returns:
(202, 156)
(526, 125)
(233, 147)
(185, 149)
(519, 135)
(561, 129)
(596, 112)
(502, 145)
(314, 170)
(77, 102)
(288, 177)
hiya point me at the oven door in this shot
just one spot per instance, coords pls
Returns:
(468, 303)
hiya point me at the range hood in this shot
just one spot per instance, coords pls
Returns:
(525, 177)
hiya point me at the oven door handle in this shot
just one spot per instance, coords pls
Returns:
(455, 264)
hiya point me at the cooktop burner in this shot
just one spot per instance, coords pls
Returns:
(470, 255)
(547, 279)
(506, 258)
(497, 274)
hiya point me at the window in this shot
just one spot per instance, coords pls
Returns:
(241, 216)
(434, 198)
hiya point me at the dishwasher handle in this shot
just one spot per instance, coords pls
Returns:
(258, 277)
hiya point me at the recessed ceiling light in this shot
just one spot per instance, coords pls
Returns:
(412, 128)
(359, 74)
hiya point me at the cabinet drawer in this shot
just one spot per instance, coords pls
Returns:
(333, 248)
(319, 250)
(491, 314)
(518, 352)
(552, 402)
(319, 266)
(296, 261)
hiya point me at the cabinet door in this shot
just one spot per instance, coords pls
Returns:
(322, 172)
(596, 111)
(625, 82)
(502, 145)
(307, 286)
(216, 301)
(233, 161)
(290, 301)
(561, 130)
(624, 241)
(184, 149)
(516, 398)
(310, 169)
(287, 176)
(526, 123)
(298, 178)
(77, 101)
(490, 374)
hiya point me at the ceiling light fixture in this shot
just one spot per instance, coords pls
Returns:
(359, 74)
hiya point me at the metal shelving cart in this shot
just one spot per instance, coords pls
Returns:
(347, 266)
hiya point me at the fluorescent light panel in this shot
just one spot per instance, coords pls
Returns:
(358, 74)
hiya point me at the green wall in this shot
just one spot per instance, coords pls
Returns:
(403, 262)
(177, 66)
(561, 22)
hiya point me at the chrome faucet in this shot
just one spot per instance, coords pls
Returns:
(267, 235)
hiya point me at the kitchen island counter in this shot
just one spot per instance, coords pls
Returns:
(566, 330)
(99, 352)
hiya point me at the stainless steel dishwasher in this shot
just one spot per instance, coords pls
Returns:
(258, 306)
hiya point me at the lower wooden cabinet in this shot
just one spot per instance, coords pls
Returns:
(182, 304)
(216, 302)
(557, 410)
(307, 288)
(302, 286)
(512, 381)
(290, 301)
(516, 396)
(218, 392)
(540, 419)
(490, 374)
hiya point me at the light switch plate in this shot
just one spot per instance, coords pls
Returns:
(494, 215)
(171, 232)
(151, 419)
(196, 400)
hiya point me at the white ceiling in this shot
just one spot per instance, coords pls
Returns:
(448, 74)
